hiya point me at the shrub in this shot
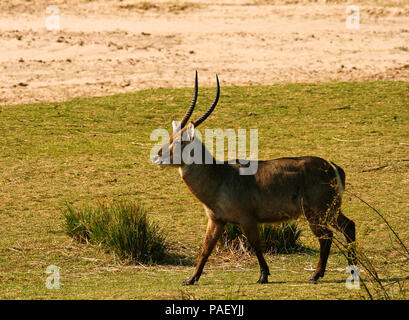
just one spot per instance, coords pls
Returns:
(284, 238)
(119, 227)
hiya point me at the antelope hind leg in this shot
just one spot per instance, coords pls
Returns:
(251, 232)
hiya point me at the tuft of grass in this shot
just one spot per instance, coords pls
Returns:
(119, 227)
(402, 48)
(283, 238)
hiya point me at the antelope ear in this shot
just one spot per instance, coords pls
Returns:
(175, 125)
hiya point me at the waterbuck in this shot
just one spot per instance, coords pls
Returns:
(280, 190)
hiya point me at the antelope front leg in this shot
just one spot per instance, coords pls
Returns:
(213, 232)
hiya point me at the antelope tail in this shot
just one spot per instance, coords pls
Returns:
(340, 175)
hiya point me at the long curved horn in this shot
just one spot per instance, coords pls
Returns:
(210, 110)
(192, 105)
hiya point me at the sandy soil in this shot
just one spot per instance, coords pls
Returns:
(107, 47)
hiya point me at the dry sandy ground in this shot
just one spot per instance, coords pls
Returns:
(107, 47)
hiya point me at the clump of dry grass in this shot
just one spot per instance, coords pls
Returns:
(173, 7)
(385, 289)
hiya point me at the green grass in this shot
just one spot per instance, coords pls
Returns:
(89, 150)
(119, 227)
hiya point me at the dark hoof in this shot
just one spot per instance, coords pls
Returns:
(316, 276)
(261, 281)
(188, 282)
(263, 277)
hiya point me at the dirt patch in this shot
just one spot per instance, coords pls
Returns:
(107, 47)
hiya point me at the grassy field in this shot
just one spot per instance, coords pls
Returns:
(85, 150)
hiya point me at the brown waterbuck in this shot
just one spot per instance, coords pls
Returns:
(280, 190)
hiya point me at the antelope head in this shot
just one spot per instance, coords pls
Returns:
(182, 141)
